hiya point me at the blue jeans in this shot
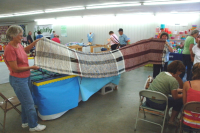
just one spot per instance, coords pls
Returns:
(187, 62)
(157, 68)
(22, 88)
(176, 104)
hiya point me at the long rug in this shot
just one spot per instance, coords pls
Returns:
(61, 59)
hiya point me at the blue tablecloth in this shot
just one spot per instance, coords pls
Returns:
(89, 86)
(56, 97)
(175, 56)
(59, 94)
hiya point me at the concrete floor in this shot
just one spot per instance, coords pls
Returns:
(111, 113)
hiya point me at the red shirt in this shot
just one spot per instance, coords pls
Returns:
(192, 119)
(16, 54)
(56, 40)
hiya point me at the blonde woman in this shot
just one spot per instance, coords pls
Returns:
(16, 59)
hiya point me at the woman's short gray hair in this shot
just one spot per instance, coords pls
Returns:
(194, 32)
(13, 31)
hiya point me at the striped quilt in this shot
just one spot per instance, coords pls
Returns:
(61, 59)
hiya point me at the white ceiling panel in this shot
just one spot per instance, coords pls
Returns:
(14, 6)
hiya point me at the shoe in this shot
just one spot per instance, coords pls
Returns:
(174, 123)
(24, 125)
(37, 128)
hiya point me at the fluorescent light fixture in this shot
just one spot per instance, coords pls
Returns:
(134, 14)
(28, 13)
(6, 15)
(65, 9)
(99, 16)
(173, 12)
(48, 19)
(112, 5)
(70, 17)
(45, 21)
(170, 2)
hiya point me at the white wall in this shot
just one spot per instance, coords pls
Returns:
(135, 27)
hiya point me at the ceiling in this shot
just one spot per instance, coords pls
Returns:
(14, 6)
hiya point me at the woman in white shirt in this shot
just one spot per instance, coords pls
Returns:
(114, 41)
(196, 52)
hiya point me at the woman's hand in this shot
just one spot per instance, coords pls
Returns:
(36, 41)
(29, 47)
(35, 67)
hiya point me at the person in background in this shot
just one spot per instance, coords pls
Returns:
(191, 93)
(15, 57)
(123, 40)
(29, 38)
(39, 35)
(197, 39)
(59, 38)
(196, 52)
(56, 39)
(52, 35)
(166, 83)
(114, 42)
(188, 57)
(157, 68)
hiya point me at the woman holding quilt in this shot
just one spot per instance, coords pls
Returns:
(157, 68)
(16, 59)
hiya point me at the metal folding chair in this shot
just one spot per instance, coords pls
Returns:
(191, 106)
(8, 104)
(155, 96)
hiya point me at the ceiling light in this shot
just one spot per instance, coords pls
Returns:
(134, 14)
(28, 13)
(49, 19)
(112, 5)
(171, 2)
(99, 16)
(70, 17)
(5, 15)
(65, 9)
(173, 12)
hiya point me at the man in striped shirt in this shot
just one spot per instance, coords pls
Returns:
(114, 41)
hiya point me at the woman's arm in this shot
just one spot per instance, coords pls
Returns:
(175, 94)
(29, 47)
(16, 69)
(185, 86)
(191, 52)
(169, 47)
(180, 81)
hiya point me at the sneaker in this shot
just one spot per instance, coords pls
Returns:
(173, 123)
(24, 125)
(37, 128)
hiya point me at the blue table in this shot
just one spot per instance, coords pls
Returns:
(175, 56)
(55, 96)
(89, 86)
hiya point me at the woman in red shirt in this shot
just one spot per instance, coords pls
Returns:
(191, 92)
(16, 59)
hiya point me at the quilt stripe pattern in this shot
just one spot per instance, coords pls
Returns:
(61, 59)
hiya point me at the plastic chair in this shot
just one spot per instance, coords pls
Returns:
(155, 96)
(8, 104)
(190, 106)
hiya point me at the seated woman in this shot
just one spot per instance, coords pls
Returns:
(191, 92)
(166, 83)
